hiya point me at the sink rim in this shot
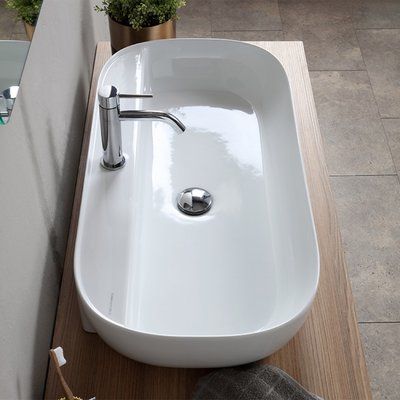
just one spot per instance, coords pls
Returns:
(77, 270)
(296, 316)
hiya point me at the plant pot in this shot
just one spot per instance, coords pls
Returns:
(29, 29)
(123, 35)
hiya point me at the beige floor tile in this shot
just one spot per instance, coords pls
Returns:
(250, 35)
(5, 34)
(382, 352)
(19, 36)
(7, 22)
(368, 209)
(392, 129)
(330, 47)
(376, 14)
(314, 12)
(326, 29)
(19, 28)
(354, 139)
(381, 52)
(194, 19)
(232, 15)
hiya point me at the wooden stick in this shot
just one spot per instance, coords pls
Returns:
(64, 384)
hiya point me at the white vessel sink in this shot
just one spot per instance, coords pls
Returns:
(224, 288)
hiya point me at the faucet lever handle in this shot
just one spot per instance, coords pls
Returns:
(109, 97)
(134, 96)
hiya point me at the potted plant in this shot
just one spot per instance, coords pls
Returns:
(134, 21)
(28, 11)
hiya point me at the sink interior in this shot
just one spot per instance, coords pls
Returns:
(202, 272)
(250, 263)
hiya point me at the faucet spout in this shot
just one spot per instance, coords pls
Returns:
(110, 123)
(152, 115)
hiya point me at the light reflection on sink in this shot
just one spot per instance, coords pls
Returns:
(224, 288)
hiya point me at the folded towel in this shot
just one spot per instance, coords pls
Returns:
(250, 382)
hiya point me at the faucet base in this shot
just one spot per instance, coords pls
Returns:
(112, 167)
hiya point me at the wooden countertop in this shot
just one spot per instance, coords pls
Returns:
(326, 356)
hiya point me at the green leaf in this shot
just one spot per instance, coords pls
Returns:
(27, 10)
(140, 13)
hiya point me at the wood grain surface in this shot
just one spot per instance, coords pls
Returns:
(326, 356)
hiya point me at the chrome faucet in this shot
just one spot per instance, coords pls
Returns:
(7, 97)
(110, 123)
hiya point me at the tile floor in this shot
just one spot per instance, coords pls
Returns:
(353, 53)
(10, 28)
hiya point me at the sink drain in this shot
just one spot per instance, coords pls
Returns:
(194, 201)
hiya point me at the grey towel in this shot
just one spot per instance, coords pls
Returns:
(250, 382)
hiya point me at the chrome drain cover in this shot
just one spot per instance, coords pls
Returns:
(194, 201)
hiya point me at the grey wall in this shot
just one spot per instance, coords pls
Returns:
(39, 153)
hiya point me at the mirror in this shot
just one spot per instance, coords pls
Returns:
(18, 20)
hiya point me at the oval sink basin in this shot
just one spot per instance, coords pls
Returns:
(233, 284)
